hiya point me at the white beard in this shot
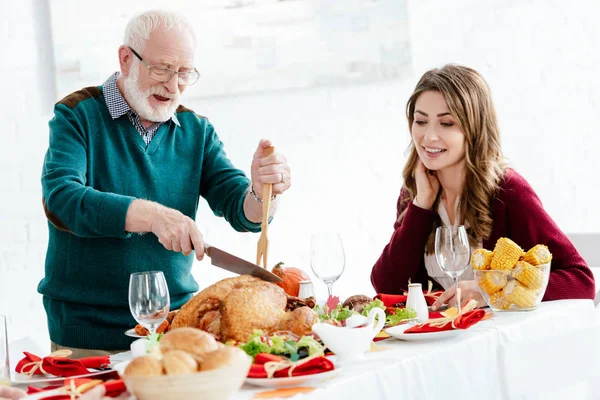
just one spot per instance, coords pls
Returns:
(139, 101)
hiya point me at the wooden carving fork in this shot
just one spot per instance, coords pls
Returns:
(262, 250)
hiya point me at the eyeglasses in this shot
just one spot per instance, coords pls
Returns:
(163, 74)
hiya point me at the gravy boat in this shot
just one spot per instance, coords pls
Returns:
(350, 344)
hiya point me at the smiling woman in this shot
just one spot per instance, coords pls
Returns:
(438, 139)
(436, 134)
(456, 175)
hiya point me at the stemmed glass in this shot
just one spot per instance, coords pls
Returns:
(327, 258)
(452, 251)
(149, 299)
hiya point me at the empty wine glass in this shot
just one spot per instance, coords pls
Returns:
(452, 251)
(149, 299)
(327, 258)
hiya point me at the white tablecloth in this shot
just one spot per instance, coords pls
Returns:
(552, 352)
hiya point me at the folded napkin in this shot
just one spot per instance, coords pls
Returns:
(113, 388)
(60, 366)
(265, 363)
(383, 335)
(461, 321)
(390, 300)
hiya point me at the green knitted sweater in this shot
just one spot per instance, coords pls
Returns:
(94, 168)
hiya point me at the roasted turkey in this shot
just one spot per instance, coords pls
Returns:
(233, 308)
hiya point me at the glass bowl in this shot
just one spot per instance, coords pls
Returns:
(519, 289)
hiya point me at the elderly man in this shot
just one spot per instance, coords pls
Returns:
(125, 159)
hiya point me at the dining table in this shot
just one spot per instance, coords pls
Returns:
(552, 352)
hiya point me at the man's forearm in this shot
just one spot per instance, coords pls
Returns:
(253, 208)
(140, 215)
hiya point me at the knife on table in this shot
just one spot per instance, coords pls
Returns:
(229, 262)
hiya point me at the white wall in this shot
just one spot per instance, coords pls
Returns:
(24, 138)
(345, 145)
(541, 59)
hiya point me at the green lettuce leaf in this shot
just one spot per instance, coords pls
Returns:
(400, 315)
(280, 346)
(314, 347)
(374, 304)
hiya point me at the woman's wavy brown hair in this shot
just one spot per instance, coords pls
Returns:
(470, 102)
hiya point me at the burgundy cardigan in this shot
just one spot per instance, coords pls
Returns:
(517, 213)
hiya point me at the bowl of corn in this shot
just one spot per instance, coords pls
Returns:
(509, 278)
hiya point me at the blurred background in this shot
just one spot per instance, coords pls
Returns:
(327, 81)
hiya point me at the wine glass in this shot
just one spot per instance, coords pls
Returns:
(327, 258)
(149, 299)
(452, 252)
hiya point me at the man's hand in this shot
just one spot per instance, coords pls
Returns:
(174, 230)
(272, 169)
(177, 232)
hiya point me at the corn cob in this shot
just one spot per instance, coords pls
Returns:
(539, 254)
(481, 259)
(506, 254)
(492, 281)
(528, 275)
(519, 295)
(499, 300)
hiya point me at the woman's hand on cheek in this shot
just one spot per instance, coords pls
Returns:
(428, 186)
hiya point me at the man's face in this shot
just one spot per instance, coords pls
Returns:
(157, 101)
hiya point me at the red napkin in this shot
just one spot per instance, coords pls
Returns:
(435, 314)
(390, 299)
(313, 366)
(113, 388)
(62, 366)
(463, 321)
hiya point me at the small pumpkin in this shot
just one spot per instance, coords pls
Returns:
(291, 277)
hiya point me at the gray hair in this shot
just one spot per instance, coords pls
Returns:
(140, 27)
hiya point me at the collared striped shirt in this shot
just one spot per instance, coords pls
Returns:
(117, 107)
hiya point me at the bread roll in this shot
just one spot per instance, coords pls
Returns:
(191, 340)
(147, 365)
(223, 357)
(179, 362)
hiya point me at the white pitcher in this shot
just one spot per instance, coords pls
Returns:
(350, 344)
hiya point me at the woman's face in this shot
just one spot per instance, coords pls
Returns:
(438, 139)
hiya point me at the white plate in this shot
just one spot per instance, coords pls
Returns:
(131, 333)
(398, 333)
(35, 380)
(294, 380)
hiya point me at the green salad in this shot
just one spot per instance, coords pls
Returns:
(152, 347)
(259, 342)
(339, 314)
